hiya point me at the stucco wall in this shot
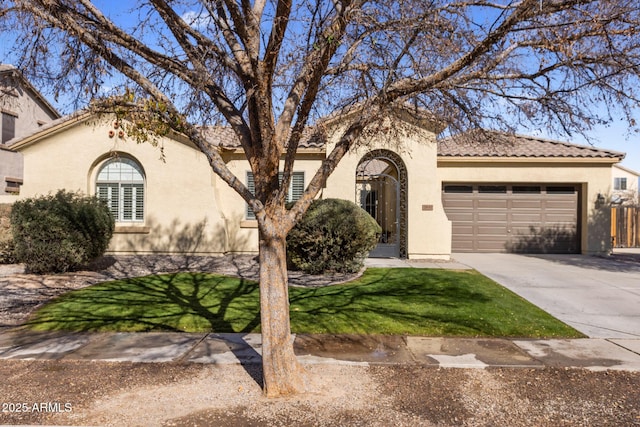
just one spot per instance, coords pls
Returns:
(188, 209)
(428, 228)
(592, 179)
(243, 233)
(181, 210)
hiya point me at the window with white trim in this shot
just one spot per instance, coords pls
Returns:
(619, 183)
(295, 191)
(120, 184)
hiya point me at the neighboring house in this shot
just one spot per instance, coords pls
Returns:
(490, 192)
(625, 186)
(23, 110)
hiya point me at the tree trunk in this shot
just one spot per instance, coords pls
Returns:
(283, 374)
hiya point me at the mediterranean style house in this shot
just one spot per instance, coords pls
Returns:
(23, 110)
(486, 192)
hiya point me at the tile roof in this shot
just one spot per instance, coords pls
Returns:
(473, 144)
(224, 137)
(500, 144)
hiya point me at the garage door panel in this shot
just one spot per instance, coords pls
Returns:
(560, 204)
(526, 217)
(491, 203)
(557, 220)
(458, 204)
(537, 230)
(492, 230)
(464, 229)
(491, 216)
(570, 209)
(523, 230)
(526, 204)
(516, 220)
(545, 239)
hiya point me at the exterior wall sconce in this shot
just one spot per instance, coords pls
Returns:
(600, 201)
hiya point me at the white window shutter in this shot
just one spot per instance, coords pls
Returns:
(251, 185)
(297, 186)
(120, 183)
(139, 202)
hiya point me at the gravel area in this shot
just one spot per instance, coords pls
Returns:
(130, 394)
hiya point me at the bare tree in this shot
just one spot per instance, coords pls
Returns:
(271, 68)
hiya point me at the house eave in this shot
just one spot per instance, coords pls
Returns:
(49, 131)
(240, 150)
(71, 121)
(556, 160)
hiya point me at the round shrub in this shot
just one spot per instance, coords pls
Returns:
(61, 232)
(334, 235)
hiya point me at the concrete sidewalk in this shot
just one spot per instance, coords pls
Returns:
(157, 347)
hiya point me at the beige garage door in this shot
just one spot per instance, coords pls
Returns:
(526, 218)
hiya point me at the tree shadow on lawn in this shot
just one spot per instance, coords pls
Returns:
(382, 301)
(170, 302)
(392, 303)
(197, 302)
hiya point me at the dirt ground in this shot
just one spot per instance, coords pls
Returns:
(172, 394)
(127, 394)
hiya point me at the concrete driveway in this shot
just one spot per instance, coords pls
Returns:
(600, 297)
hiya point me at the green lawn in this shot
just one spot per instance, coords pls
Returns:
(383, 301)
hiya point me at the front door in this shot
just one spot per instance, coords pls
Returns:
(379, 195)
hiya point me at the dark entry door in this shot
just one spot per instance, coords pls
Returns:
(379, 195)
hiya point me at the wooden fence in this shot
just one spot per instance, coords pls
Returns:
(625, 227)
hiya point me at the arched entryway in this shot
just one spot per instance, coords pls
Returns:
(381, 190)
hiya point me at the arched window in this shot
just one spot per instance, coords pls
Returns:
(120, 183)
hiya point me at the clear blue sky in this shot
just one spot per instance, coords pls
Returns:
(616, 137)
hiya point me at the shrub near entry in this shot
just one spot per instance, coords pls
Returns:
(334, 235)
(61, 232)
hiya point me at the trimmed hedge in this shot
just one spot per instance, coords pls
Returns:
(61, 232)
(334, 235)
